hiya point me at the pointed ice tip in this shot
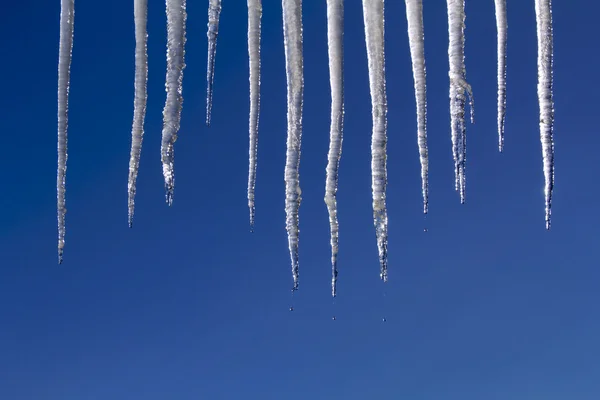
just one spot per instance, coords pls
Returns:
(60, 256)
(169, 196)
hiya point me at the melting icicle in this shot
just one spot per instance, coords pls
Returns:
(292, 34)
(67, 13)
(414, 15)
(543, 14)
(458, 87)
(254, 19)
(335, 37)
(140, 11)
(373, 13)
(176, 17)
(214, 12)
(502, 28)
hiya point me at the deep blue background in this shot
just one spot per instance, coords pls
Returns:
(188, 304)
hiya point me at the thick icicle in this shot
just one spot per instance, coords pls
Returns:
(254, 22)
(502, 28)
(292, 34)
(67, 13)
(543, 13)
(140, 11)
(414, 15)
(458, 87)
(176, 18)
(335, 37)
(373, 13)
(214, 12)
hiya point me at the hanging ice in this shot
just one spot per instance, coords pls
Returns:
(335, 37)
(501, 26)
(67, 14)
(214, 12)
(176, 17)
(373, 13)
(543, 14)
(458, 87)
(140, 11)
(254, 21)
(292, 34)
(414, 15)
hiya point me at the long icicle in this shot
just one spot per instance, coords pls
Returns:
(335, 37)
(458, 87)
(373, 13)
(214, 12)
(140, 11)
(254, 28)
(292, 33)
(176, 18)
(414, 16)
(543, 14)
(502, 28)
(67, 14)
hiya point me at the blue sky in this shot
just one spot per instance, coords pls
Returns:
(189, 304)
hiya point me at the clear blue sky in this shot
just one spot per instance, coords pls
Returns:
(190, 305)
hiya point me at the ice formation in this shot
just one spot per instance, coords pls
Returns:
(214, 12)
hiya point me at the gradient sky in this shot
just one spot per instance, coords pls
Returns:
(190, 305)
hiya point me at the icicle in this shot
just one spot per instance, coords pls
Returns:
(67, 14)
(335, 36)
(373, 13)
(292, 33)
(543, 13)
(214, 12)
(254, 22)
(414, 15)
(502, 28)
(140, 11)
(458, 87)
(176, 17)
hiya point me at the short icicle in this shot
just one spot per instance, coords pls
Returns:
(214, 12)
(335, 37)
(176, 18)
(373, 13)
(67, 14)
(502, 28)
(414, 16)
(543, 13)
(254, 28)
(140, 12)
(292, 34)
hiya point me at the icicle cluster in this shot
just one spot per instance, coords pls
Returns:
(214, 12)
(140, 11)
(458, 87)
(502, 28)
(335, 41)
(414, 16)
(294, 64)
(254, 20)
(373, 13)
(543, 14)
(67, 14)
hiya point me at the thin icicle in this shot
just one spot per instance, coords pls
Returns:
(373, 13)
(502, 28)
(414, 16)
(292, 34)
(543, 14)
(140, 11)
(458, 88)
(67, 14)
(176, 18)
(214, 12)
(254, 27)
(335, 37)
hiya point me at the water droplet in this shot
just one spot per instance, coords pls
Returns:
(333, 318)
(384, 319)
(291, 308)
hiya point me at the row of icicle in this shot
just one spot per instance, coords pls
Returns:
(373, 13)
